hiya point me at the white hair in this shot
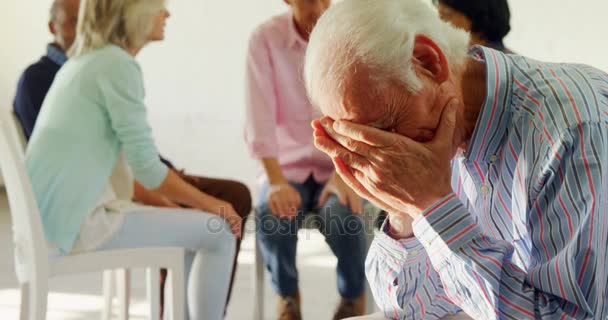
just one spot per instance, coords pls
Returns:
(125, 23)
(379, 34)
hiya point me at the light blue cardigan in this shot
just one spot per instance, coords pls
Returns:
(93, 111)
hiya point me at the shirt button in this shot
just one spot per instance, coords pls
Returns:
(414, 252)
(484, 190)
(493, 158)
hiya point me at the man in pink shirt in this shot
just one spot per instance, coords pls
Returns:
(296, 177)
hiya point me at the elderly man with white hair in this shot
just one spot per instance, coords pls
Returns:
(491, 166)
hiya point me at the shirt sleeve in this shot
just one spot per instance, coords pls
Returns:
(567, 220)
(123, 95)
(261, 102)
(403, 281)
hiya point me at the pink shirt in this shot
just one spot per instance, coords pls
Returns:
(279, 113)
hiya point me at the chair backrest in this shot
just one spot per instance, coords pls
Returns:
(22, 141)
(31, 253)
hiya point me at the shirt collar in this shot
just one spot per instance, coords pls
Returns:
(293, 37)
(55, 54)
(495, 114)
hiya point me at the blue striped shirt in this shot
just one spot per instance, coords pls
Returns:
(524, 234)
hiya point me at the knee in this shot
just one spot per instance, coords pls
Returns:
(339, 220)
(224, 239)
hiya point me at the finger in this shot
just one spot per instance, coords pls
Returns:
(281, 206)
(355, 202)
(349, 143)
(284, 208)
(333, 149)
(234, 225)
(444, 136)
(352, 178)
(277, 208)
(239, 228)
(273, 207)
(297, 200)
(323, 198)
(360, 176)
(291, 202)
(349, 176)
(342, 198)
(291, 199)
(367, 134)
(318, 128)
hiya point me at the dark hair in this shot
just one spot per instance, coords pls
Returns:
(490, 18)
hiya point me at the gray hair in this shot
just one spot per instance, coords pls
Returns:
(125, 23)
(379, 34)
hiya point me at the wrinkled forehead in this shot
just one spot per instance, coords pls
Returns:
(359, 97)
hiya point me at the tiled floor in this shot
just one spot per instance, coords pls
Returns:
(79, 297)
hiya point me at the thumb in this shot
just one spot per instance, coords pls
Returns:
(445, 132)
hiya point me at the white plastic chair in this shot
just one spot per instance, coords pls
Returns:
(259, 268)
(120, 281)
(33, 263)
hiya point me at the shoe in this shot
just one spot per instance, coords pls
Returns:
(350, 308)
(289, 308)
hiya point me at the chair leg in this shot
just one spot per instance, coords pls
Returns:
(258, 283)
(37, 298)
(176, 298)
(153, 292)
(108, 294)
(25, 302)
(123, 277)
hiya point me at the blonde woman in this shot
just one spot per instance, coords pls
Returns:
(92, 119)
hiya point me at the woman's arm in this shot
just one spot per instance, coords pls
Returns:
(151, 198)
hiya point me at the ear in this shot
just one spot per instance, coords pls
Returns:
(428, 58)
(52, 27)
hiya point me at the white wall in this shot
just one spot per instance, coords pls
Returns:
(195, 78)
(560, 30)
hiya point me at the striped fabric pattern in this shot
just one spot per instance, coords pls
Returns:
(525, 233)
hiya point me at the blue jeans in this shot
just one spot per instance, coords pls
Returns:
(209, 244)
(344, 233)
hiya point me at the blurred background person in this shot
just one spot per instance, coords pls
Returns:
(93, 118)
(36, 80)
(488, 21)
(34, 85)
(297, 178)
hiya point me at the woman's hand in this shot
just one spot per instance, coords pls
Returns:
(226, 211)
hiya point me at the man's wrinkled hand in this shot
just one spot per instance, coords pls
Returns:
(393, 171)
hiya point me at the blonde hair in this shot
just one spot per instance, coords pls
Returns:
(125, 23)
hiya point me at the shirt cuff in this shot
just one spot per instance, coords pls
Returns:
(445, 227)
(408, 249)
